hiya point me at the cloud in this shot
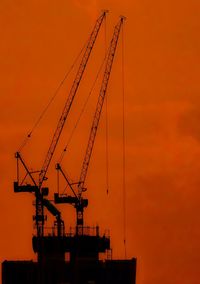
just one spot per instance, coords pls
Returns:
(90, 7)
(189, 122)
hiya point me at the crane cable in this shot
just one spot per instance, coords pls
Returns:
(123, 146)
(82, 111)
(106, 103)
(29, 135)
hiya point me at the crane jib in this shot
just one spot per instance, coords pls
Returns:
(70, 98)
(97, 115)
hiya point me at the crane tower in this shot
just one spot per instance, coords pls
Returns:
(74, 257)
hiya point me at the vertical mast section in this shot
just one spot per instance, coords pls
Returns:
(70, 99)
(99, 106)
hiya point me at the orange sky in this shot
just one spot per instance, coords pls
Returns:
(39, 41)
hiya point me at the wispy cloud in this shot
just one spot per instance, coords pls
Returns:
(90, 7)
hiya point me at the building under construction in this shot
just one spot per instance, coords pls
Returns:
(69, 257)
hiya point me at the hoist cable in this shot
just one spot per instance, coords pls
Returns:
(106, 104)
(51, 100)
(123, 145)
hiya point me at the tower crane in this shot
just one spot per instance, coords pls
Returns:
(77, 200)
(70, 98)
(83, 256)
(36, 188)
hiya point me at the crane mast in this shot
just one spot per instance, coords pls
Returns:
(70, 98)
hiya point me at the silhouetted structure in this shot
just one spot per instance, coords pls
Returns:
(72, 258)
(82, 267)
(108, 272)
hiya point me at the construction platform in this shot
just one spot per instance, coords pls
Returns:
(71, 259)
